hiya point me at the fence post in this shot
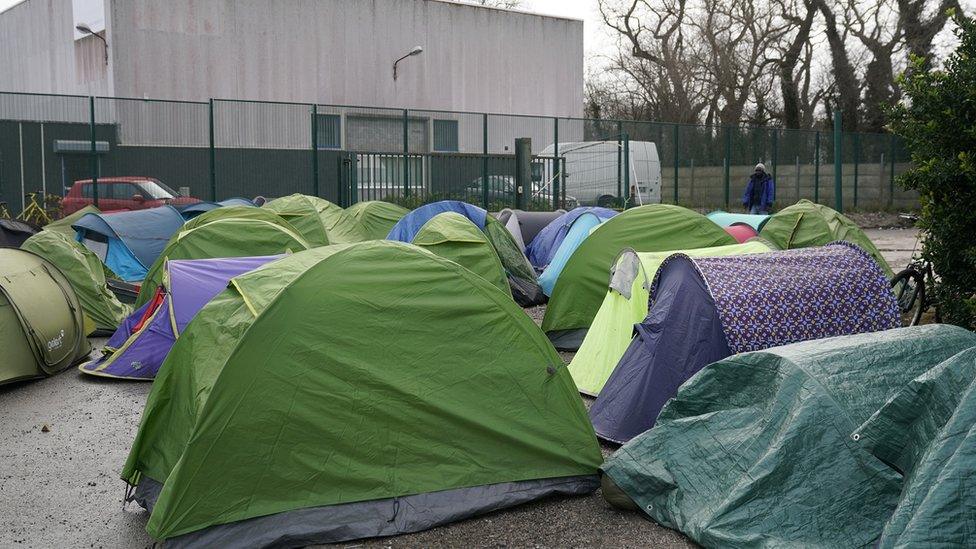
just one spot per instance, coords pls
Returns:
(891, 172)
(620, 174)
(676, 156)
(406, 154)
(816, 168)
(315, 151)
(484, 161)
(626, 154)
(728, 166)
(555, 164)
(838, 163)
(775, 153)
(94, 152)
(523, 171)
(857, 162)
(213, 156)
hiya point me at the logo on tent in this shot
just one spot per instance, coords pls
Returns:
(56, 342)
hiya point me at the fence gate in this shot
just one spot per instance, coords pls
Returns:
(348, 180)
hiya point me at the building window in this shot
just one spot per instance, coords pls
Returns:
(445, 136)
(329, 131)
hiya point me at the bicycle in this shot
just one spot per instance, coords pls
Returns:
(34, 213)
(909, 286)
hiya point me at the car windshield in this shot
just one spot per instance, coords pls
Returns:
(157, 190)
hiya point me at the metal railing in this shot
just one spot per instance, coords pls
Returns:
(222, 148)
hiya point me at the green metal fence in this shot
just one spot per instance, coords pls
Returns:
(224, 148)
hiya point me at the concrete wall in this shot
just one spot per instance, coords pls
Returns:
(342, 52)
(38, 52)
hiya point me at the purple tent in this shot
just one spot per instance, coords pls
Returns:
(137, 349)
(543, 247)
(706, 309)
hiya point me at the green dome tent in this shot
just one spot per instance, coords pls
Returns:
(85, 272)
(582, 284)
(225, 232)
(806, 224)
(64, 224)
(321, 222)
(453, 236)
(377, 216)
(626, 303)
(42, 326)
(286, 393)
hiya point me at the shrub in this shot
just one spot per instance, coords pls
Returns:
(937, 119)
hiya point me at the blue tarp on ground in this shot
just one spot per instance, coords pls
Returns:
(128, 242)
(410, 224)
(545, 244)
(577, 234)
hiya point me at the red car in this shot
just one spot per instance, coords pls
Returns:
(123, 193)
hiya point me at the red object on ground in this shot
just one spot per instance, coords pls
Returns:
(741, 232)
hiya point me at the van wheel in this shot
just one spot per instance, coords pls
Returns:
(606, 200)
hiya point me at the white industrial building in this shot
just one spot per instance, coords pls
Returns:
(309, 51)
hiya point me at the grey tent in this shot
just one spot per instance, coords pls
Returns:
(42, 327)
(525, 225)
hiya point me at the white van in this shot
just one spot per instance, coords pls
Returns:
(591, 171)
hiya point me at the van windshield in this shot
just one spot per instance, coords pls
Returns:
(156, 190)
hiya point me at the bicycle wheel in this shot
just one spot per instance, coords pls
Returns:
(909, 287)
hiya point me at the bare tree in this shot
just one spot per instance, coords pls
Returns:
(920, 28)
(877, 26)
(661, 59)
(847, 88)
(792, 49)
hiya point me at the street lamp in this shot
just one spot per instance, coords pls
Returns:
(416, 51)
(85, 29)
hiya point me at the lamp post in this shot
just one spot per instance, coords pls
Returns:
(416, 51)
(85, 29)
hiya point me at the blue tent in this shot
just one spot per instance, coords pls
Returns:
(573, 238)
(192, 210)
(128, 242)
(410, 224)
(727, 219)
(543, 247)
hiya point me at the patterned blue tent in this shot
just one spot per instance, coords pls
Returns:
(706, 309)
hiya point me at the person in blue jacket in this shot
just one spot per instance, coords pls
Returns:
(760, 192)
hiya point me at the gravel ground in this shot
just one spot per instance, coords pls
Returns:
(61, 488)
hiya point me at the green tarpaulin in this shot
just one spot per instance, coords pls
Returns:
(455, 237)
(285, 393)
(757, 449)
(86, 274)
(928, 433)
(806, 224)
(238, 231)
(582, 284)
(626, 304)
(321, 222)
(377, 216)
